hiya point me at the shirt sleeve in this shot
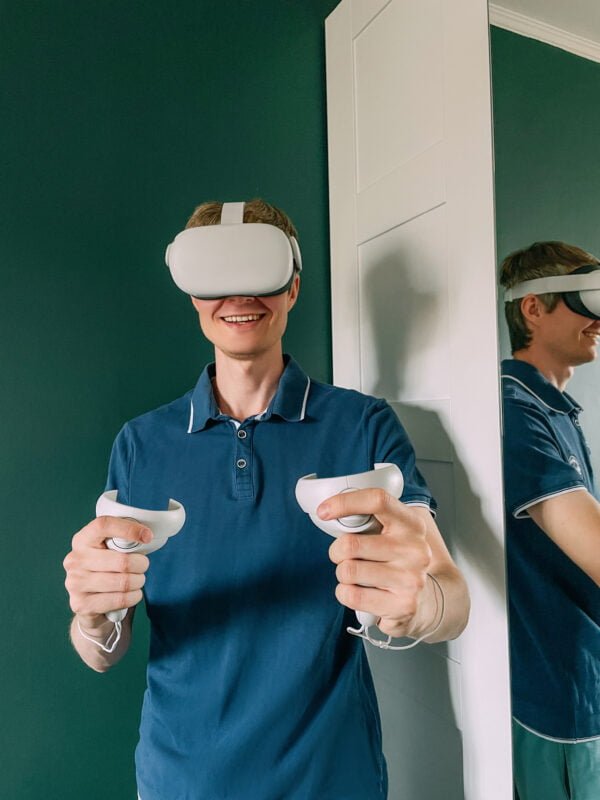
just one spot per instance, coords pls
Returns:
(535, 467)
(119, 467)
(389, 442)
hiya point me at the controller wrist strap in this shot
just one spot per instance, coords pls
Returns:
(363, 631)
(112, 641)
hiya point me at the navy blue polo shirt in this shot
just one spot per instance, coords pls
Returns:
(554, 605)
(254, 687)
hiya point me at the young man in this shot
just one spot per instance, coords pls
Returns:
(255, 688)
(553, 530)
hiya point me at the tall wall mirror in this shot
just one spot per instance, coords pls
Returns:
(546, 93)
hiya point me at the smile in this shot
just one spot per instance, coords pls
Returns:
(243, 317)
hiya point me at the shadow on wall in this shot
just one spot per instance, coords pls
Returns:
(419, 695)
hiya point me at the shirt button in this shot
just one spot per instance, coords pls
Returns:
(241, 463)
(242, 434)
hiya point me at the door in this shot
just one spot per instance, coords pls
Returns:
(414, 321)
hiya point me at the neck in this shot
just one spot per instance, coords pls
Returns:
(245, 387)
(558, 374)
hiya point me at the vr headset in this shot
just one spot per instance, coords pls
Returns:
(580, 289)
(235, 258)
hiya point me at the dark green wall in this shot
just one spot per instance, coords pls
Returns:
(117, 119)
(547, 153)
(546, 144)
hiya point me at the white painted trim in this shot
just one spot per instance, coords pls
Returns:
(553, 739)
(549, 34)
(520, 512)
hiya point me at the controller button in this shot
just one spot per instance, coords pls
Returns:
(354, 520)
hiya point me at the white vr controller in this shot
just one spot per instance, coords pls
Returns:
(311, 491)
(163, 525)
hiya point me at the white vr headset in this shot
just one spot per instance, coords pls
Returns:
(580, 289)
(250, 259)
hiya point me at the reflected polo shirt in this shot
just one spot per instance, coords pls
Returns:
(554, 605)
(254, 687)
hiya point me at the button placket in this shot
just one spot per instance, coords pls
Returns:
(243, 463)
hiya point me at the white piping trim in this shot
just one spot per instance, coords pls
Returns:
(189, 430)
(553, 739)
(518, 514)
(544, 32)
(537, 397)
(305, 400)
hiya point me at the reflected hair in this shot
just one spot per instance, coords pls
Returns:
(539, 260)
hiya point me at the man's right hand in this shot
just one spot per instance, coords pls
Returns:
(101, 580)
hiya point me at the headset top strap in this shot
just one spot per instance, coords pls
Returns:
(232, 213)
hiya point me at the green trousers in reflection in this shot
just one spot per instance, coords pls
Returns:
(546, 770)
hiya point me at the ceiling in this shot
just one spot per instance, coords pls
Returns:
(578, 17)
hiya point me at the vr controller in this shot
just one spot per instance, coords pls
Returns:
(250, 259)
(163, 525)
(580, 289)
(311, 491)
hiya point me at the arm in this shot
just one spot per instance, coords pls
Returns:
(387, 574)
(101, 580)
(572, 521)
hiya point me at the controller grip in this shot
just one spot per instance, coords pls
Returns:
(125, 546)
(366, 618)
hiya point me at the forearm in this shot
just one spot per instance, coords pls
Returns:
(93, 655)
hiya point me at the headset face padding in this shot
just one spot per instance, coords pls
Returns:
(584, 302)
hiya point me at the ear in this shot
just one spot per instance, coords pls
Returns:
(293, 292)
(533, 309)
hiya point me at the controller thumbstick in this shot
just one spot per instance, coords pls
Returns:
(354, 520)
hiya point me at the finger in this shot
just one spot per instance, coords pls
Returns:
(103, 602)
(380, 576)
(364, 501)
(97, 582)
(98, 530)
(105, 560)
(408, 550)
(379, 602)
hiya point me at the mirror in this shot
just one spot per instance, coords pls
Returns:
(547, 187)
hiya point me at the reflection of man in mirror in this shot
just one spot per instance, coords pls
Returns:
(553, 526)
(255, 688)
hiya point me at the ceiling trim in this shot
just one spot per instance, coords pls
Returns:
(536, 29)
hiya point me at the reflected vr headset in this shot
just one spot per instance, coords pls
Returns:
(250, 259)
(580, 289)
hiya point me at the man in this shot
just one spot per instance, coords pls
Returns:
(255, 689)
(553, 526)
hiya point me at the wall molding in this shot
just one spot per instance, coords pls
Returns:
(536, 29)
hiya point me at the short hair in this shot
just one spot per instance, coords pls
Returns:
(256, 210)
(539, 260)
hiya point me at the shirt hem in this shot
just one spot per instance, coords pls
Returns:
(556, 738)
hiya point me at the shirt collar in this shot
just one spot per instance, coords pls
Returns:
(536, 384)
(289, 401)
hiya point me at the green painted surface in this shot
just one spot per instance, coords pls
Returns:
(546, 134)
(546, 124)
(118, 118)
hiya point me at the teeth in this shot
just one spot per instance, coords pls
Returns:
(242, 318)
